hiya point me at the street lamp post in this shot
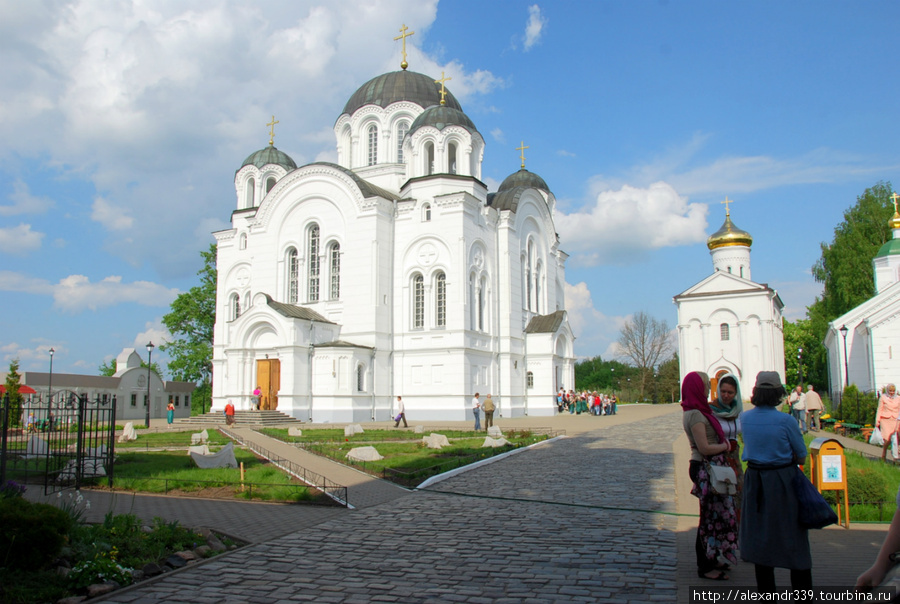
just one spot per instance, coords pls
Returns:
(844, 332)
(149, 364)
(50, 386)
(800, 363)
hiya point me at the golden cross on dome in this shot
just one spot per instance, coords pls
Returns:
(403, 36)
(726, 202)
(895, 197)
(271, 126)
(521, 150)
(443, 90)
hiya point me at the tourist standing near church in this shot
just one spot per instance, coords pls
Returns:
(229, 413)
(814, 408)
(488, 407)
(886, 416)
(401, 413)
(727, 407)
(716, 543)
(476, 411)
(257, 395)
(771, 535)
(170, 413)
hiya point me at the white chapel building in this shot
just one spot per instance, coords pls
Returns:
(727, 323)
(391, 273)
(866, 355)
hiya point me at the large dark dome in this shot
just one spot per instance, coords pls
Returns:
(523, 178)
(399, 86)
(441, 116)
(270, 155)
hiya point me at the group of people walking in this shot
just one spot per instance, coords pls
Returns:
(806, 407)
(760, 519)
(586, 402)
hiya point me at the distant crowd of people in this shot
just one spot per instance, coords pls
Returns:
(593, 403)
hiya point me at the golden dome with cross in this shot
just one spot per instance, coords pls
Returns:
(728, 234)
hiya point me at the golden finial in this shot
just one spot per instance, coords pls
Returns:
(895, 197)
(521, 150)
(271, 126)
(403, 35)
(726, 202)
(443, 90)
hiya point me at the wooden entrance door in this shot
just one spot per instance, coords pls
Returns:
(268, 378)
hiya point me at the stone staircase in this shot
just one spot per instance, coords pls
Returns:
(272, 419)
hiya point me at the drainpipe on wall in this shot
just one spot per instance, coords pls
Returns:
(372, 365)
(310, 368)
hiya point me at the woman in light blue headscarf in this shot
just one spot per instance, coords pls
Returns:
(727, 408)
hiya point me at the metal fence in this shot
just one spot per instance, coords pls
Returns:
(858, 408)
(61, 445)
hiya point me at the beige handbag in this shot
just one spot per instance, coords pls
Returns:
(722, 479)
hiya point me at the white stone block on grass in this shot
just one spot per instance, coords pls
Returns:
(352, 429)
(295, 432)
(419, 429)
(435, 441)
(128, 433)
(494, 442)
(199, 449)
(364, 454)
(494, 432)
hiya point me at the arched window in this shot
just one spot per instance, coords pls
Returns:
(270, 182)
(451, 159)
(440, 311)
(473, 310)
(481, 303)
(742, 271)
(539, 276)
(373, 145)
(729, 269)
(242, 241)
(312, 290)
(724, 332)
(246, 300)
(529, 380)
(235, 306)
(360, 378)
(402, 129)
(429, 158)
(426, 213)
(418, 302)
(335, 271)
(528, 278)
(251, 191)
(293, 276)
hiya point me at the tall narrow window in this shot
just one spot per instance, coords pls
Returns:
(335, 271)
(373, 145)
(529, 380)
(251, 190)
(242, 242)
(426, 212)
(293, 277)
(528, 279)
(360, 378)
(724, 332)
(451, 159)
(481, 301)
(313, 259)
(429, 158)
(440, 311)
(402, 129)
(270, 182)
(418, 302)
(539, 276)
(235, 306)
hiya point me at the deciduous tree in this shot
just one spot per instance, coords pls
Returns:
(645, 341)
(191, 322)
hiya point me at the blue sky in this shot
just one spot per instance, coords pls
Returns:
(121, 126)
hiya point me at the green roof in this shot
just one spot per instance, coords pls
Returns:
(891, 248)
(399, 86)
(441, 116)
(270, 155)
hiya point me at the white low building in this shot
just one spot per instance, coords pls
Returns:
(728, 323)
(861, 343)
(126, 390)
(393, 272)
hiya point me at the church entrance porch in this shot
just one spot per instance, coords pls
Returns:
(268, 378)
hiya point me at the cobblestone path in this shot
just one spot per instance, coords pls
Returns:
(562, 522)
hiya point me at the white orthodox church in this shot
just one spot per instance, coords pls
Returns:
(727, 323)
(392, 272)
(861, 343)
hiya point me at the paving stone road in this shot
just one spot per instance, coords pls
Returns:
(561, 522)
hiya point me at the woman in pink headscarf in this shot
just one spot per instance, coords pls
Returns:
(717, 534)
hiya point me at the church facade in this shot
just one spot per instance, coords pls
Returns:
(861, 342)
(393, 272)
(727, 323)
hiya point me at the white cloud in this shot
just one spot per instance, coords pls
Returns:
(629, 221)
(564, 153)
(111, 217)
(497, 135)
(593, 329)
(35, 354)
(23, 202)
(154, 331)
(534, 27)
(19, 240)
(76, 293)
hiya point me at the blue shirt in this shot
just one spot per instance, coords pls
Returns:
(771, 437)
